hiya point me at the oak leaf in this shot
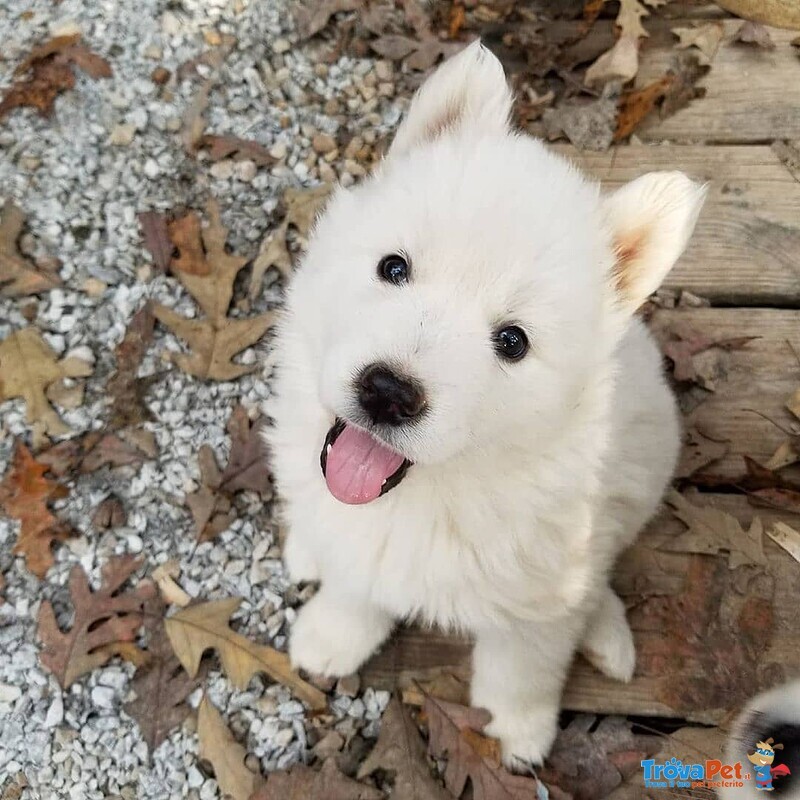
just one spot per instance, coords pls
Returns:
(196, 629)
(161, 683)
(215, 339)
(226, 755)
(211, 509)
(328, 783)
(27, 367)
(753, 33)
(221, 147)
(711, 531)
(636, 104)
(155, 237)
(247, 468)
(18, 275)
(91, 451)
(699, 450)
(105, 624)
(455, 734)
(706, 38)
(48, 71)
(620, 63)
(25, 493)
(400, 750)
(629, 18)
(311, 18)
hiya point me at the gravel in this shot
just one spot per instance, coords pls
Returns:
(111, 150)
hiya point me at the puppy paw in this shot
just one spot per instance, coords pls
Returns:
(327, 639)
(300, 562)
(608, 643)
(525, 735)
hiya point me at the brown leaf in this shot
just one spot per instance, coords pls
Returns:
(780, 13)
(793, 404)
(778, 498)
(788, 453)
(27, 367)
(589, 125)
(448, 723)
(687, 70)
(441, 683)
(312, 17)
(400, 750)
(456, 19)
(47, 72)
(155, 235)
(247, 468)
(125, 389)
(620, 63)
(699, 450)
(195, 629)
(90, 452)
(629, 18)
(25, 493)
(753, 33)
(109, 514)
(194, 121)
(217, 338)
(681, 344)
(185, 233)
(105, 621)
(636, 104)
(712, 531)
(161, 684)
(787, 538)
(164, 575)
(220, 147)
(393, 46)
(226, 755)
(706, 38)
(589, 762)
(328, 783)
(18, 275)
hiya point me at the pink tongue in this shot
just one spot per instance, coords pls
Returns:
(357, 466)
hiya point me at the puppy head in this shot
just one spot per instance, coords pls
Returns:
(465, 295)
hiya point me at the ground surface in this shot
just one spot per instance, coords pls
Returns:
(709, 635)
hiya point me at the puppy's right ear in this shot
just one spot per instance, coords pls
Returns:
(468, 91)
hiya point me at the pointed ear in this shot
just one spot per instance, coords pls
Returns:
(468, 90)
(651, 220)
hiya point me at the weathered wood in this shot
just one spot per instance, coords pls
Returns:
(752, 94)
(690, 664)
(746, 247)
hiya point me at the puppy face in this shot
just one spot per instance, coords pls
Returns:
(461, 298)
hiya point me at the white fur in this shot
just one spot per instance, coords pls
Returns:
(528, 478)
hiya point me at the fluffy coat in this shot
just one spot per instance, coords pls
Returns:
(528, 478)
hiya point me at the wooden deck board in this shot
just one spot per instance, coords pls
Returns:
(746, 247)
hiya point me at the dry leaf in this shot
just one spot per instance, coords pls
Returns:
(469, 758)
(203, 627)
(780, 13)
(217, 338)
(221, 147)
(193, 125)
(629, 18)
(793, 404)
(125, 389)
(105, 621)
(109, 514)
(620, 63)
(48, 71)
(247, 468)
(25, 493)
(687, 70)
(680, 345)
(164, 575)
(18, 275)
(312, 17)
(788, 538)
(636, 104)
(155, 236)
(303, 206)
(27, 367)
(328, 783)
(441, 683)
(589, 762)
(712, 531)
(699, 450)
(161, 684)
(226, 755)
(589, 125)
(90, 452)
(211, 509)
(400, 750)
(706, 38)
(788, 453)
(186, 236)
(753, 33)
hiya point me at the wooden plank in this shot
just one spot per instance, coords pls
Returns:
(752, 94)
(753, 382)
(706, 635)
(746, 247)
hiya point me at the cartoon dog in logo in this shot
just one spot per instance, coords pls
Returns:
(762, 760)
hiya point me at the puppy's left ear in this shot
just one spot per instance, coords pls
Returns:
(468, 91)
(651, 220)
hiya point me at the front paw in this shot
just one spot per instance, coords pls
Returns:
(300, 562)
(327, 639)
(525, 734)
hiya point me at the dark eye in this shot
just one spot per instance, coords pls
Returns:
(511, 342)
(393, 269)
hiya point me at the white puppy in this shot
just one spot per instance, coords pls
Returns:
(470, 423)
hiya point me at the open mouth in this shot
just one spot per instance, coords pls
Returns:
(357, 467)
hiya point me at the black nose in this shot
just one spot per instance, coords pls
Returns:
(388, 397)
